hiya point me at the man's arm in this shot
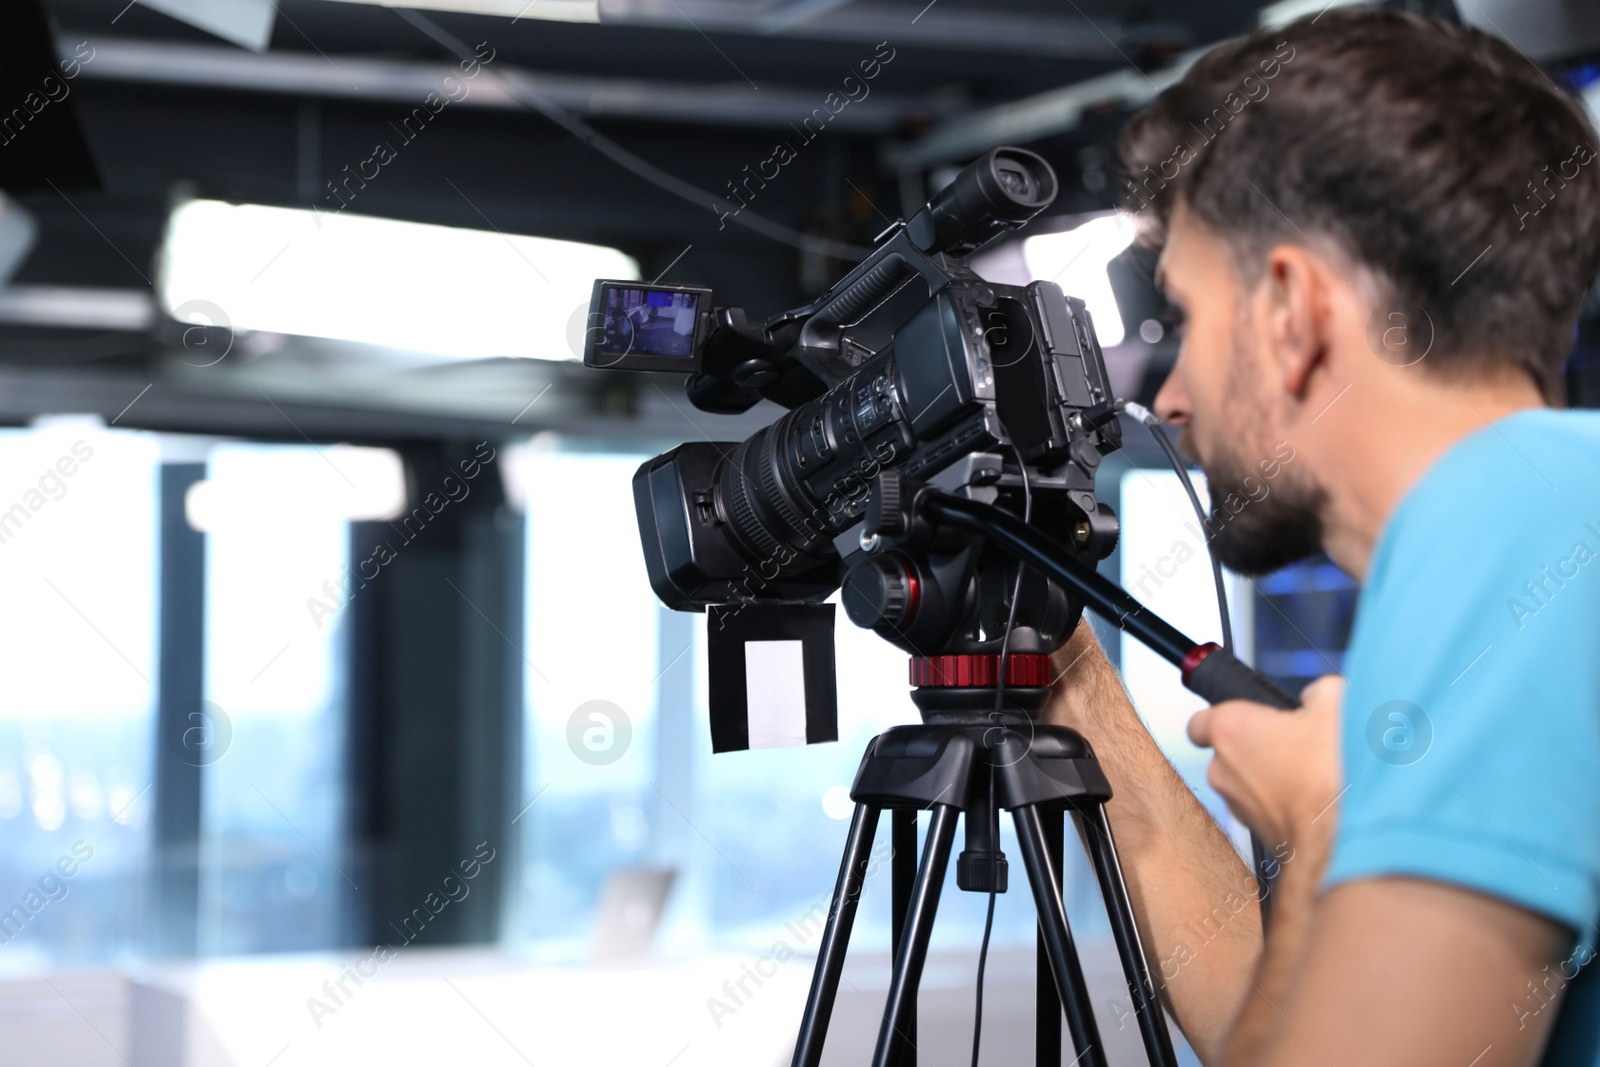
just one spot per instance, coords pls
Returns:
(1194, 899)
(1279, 772)
(1400, 972)
(1294, 911)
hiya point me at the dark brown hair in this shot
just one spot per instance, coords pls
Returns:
(1435, 156)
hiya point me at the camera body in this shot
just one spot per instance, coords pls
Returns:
(976, 387)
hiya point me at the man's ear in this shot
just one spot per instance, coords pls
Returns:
(1297, 314)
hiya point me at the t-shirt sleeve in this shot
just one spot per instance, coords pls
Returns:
(1471, 724)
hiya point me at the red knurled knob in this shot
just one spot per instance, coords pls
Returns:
(1022, 669)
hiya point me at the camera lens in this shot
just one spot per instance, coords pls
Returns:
(769, 508)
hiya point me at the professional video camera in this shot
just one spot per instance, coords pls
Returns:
(940, 443)
(978, 388)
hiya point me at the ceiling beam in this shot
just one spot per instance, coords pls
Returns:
(785, 15)
(914, 25)
(304, 74)
(1033, 118)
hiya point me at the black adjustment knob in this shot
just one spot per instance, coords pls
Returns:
(973, 870)
(886, 513)
(877, 591)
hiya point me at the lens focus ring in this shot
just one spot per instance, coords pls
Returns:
(747, 525)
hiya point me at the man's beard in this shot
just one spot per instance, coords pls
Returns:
(1267, 532)
(1279, 522)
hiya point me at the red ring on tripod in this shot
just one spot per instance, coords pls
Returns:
(1023, 669)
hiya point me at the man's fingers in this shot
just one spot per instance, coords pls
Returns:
(1232, 790)
(1220, 780)
(1215, 724)
(1200, 727)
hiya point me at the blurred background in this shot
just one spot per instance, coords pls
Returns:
(317, 550)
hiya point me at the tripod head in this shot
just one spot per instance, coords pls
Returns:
(945, 594)
(920, 513)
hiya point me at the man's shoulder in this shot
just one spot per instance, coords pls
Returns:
(1471, 721)
(1505, 526)
(1529, 477)
(1528, 449)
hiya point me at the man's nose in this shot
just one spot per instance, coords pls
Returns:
(1172, 402)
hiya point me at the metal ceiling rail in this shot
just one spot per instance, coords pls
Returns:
(304, 74)
(985, 28)
(1033, 118)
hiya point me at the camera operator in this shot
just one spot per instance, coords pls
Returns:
(1380, 261)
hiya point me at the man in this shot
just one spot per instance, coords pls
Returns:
(1379, 229)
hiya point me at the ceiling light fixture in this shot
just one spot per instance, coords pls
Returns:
(448, 291)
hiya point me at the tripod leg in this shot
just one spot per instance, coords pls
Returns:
(1047, 1006)
(836, 937)
(1146, 1006)
(904, 868)
(1045, 878)
(919, 925)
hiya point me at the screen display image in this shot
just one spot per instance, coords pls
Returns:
(648, 322)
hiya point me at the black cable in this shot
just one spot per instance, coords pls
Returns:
(994, 811)
(988, 921)
(1016, 587)
(1153, 423)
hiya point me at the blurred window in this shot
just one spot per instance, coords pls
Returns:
(78, 533)
(275, 875)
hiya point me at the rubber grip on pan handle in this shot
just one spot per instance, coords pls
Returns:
(1214, 673)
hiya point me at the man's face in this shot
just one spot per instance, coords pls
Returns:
(1224, 393)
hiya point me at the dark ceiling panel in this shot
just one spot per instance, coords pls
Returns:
(40, 141)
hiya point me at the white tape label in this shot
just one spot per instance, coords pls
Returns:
(775, 688)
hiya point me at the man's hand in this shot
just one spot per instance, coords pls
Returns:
(1279, 771)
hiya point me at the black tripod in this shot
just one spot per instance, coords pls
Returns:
(965, 752)
(944, 766)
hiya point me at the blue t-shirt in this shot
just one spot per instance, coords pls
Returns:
(1471, 723)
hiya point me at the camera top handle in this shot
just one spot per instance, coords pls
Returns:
(798, 354)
